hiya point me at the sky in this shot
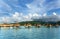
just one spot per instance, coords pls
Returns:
(27, 10)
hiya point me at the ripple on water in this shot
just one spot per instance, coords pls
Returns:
(29, 33)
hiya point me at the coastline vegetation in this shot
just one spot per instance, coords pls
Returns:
(40, 22)
(32, 23)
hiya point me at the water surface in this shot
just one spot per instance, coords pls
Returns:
(29, 33)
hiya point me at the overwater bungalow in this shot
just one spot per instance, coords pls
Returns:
(56, 25)
(37, 25)
(27, 25)
(16, 25)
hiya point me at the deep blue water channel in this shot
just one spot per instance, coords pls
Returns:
(29, 33)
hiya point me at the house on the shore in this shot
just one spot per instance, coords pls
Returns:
(9, 25)
(6, 25)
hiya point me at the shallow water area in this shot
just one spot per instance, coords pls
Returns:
(29, 33)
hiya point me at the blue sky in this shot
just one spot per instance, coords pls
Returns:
(23, 9)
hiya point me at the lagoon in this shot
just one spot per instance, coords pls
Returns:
(29, 33)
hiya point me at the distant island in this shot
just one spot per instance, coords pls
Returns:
(40, 22)
(31, 23)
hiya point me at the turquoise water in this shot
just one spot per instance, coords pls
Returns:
(29, 33)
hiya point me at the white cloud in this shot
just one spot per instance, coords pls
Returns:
(16, 15)
(54, 13)
(44, 14)
(35, 14)
(19, 17)
(38, 6)
(5, 6)
(36, 9)
(29, 6)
